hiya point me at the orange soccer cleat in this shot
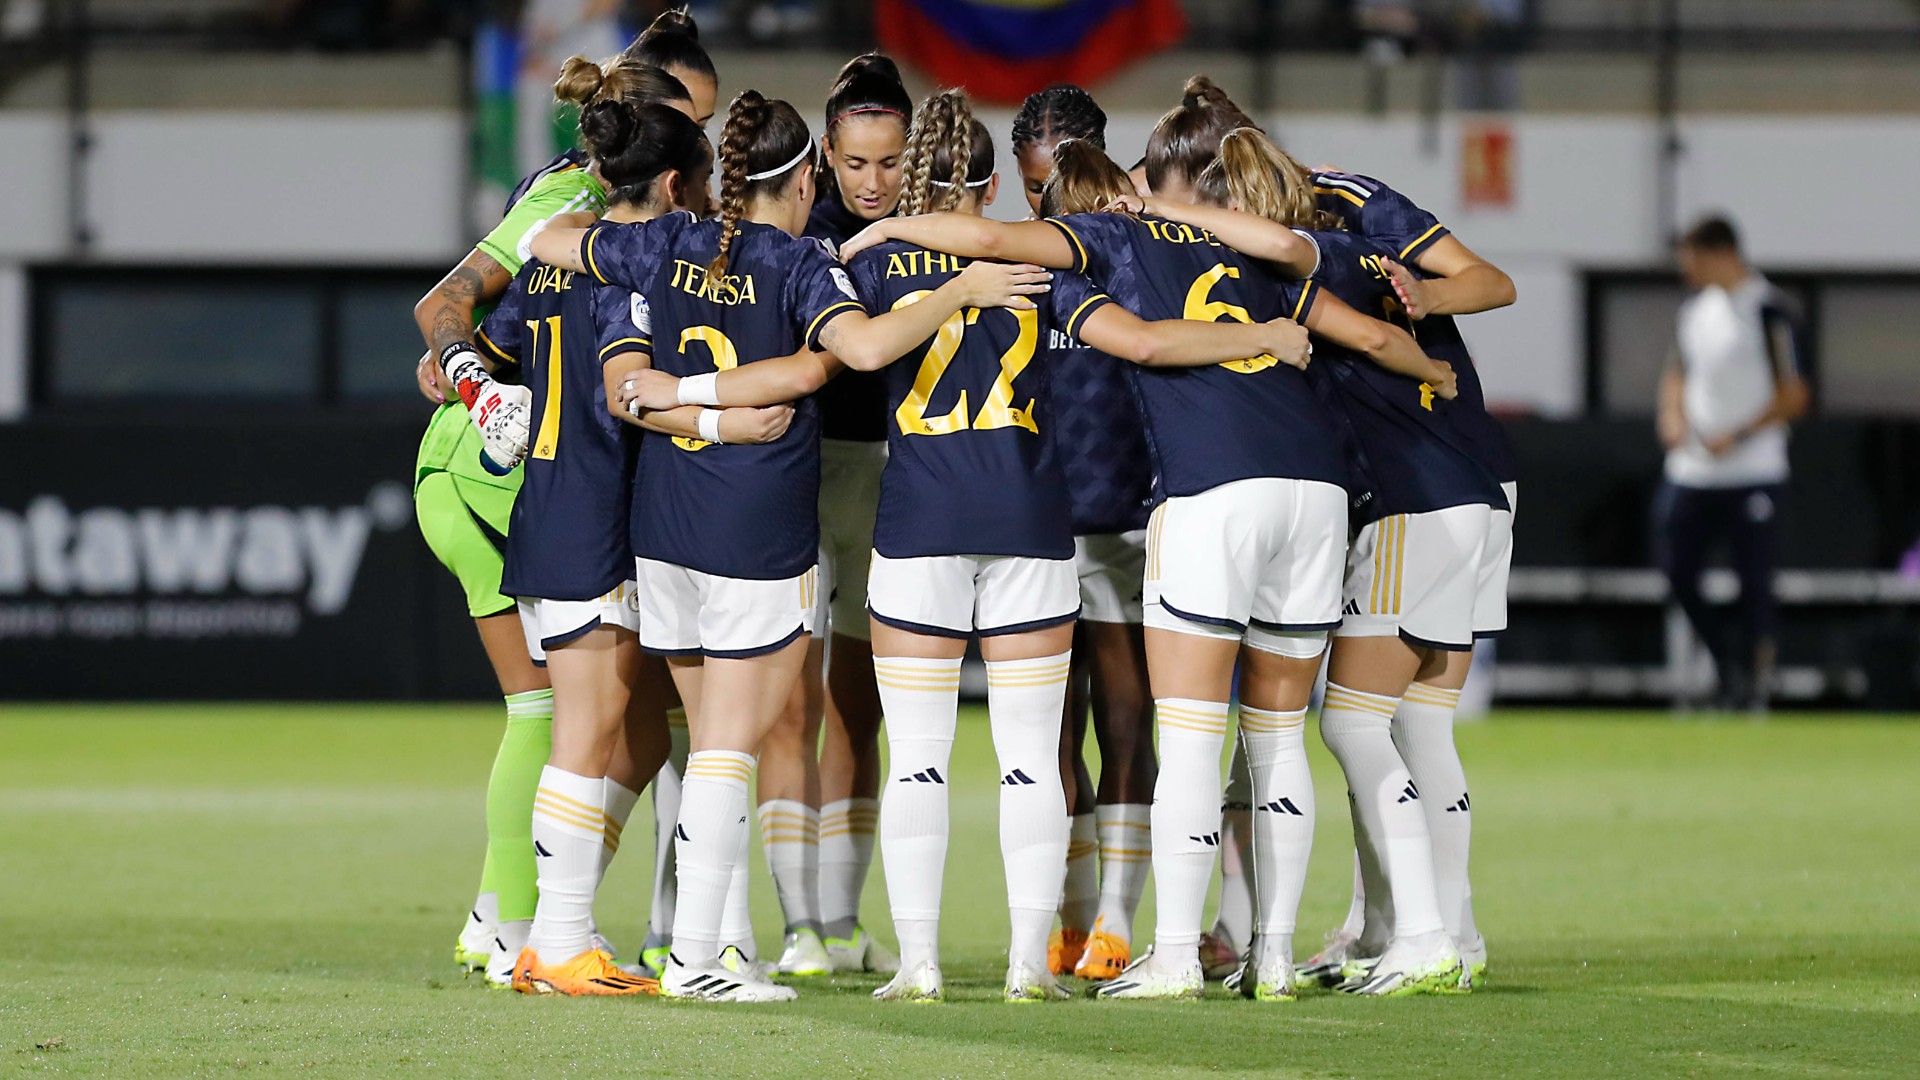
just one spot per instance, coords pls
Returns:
(1106, 956)
(1064, 950)
(591, 974)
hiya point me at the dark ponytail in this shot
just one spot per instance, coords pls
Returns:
(760, 136)
(672, 41)
(635, 144)
(1061, 111)
(1187, 138)
(868, 85)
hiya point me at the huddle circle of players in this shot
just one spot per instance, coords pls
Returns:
(728, 480)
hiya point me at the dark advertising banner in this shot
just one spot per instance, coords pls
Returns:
(272, 557)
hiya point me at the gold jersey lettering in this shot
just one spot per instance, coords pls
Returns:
(1174, 232)
(550, 279)
(919, 263)
(729, 289)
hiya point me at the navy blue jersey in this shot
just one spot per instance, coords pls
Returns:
(567, 539)
(1374, 210)
(853, 406)
(737, 511)
(571, 159)
(1208, 426)
(1098, 435)
(1413, 457)
(970, 469)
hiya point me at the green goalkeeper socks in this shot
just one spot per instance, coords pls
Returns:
(524, 750)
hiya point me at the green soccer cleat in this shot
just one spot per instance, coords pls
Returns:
(1427, 965)
(804, 954)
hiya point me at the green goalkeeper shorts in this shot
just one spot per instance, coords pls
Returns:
(465, 523)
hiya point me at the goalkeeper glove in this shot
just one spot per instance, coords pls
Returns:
(501, 412)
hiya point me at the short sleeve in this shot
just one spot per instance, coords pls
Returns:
(868, 270)
(1088, 235)
(503, 336)
(622, 322)
(630, 255)
(1781, 327)
(820, 289)
(1300, 297)
(1072, 299)
(1395, 221)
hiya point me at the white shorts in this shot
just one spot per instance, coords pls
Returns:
(964, 595)
(687, 612)
(549, 624)
(849, 499)
(1113, 571)
(1415, 575)
(1256, 560)
(1496, 565)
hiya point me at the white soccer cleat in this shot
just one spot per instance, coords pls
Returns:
(736, 961)
(1327, 967)
(1151, 978)
(1032, 983)
(1427, 964)
(473, 948)
(804, 954)
(1473, 966)
(712, 982)
(1266, 975)
(500, 967)
(861, 952)
(924, 985)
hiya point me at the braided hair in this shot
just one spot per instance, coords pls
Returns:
(1061, 111)
(948, 153)
(760, 136)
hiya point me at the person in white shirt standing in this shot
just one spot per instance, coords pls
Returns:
(1732, 385)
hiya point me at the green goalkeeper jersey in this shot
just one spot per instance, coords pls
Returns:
(451, 443)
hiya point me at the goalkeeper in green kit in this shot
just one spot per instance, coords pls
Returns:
(465, 481)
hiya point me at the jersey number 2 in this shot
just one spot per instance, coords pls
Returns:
(725, 358)
(998, 411)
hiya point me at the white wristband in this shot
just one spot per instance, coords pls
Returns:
(699, 389)
(710, 426)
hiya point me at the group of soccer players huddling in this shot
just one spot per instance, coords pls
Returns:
(1099, 442)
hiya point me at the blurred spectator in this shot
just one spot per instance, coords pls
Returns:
(551, 31)
(1733, 384)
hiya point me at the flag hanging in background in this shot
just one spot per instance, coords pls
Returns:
(1003, 50)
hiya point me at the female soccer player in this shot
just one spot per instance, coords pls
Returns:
(463, 503)
(1103, 452)
(818, 854)
(1244, 553)
(568, 559)
(727, 583)
(1411, 578)
(1187, 138)
(1422, 725)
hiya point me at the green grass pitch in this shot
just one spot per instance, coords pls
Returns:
(275, 890)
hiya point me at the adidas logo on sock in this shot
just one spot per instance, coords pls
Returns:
(1352, 608)
(680, 833)
(1460, 807)
(1211, 839)
(539, 849)
(1016, 778)
(927, 776)
(1409, 795)
(1283, 806)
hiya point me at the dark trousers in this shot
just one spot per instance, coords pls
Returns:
(1688, 523)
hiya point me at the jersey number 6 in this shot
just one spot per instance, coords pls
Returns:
(1201, 309)
(998, 411)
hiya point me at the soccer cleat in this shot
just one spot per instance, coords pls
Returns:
(923, 985)
(712, 982)
(1106, 956)
(474, 945)
(1327, 967)
(861, 952)
(598, 942)
(1219, 958)
(1266, 978)
(1153, 979)
(653, 953)
(734, 960)
(1064, 950)
(1473, 968)
(804, 954)
(1426, 965)
(590, 974)
(1030, 983)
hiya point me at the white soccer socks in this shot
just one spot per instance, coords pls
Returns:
(736, 918)
(1357, 728)
(1275, 744)
(848, 829)
(1234, 920)
(666, 814)
(1080, 895)
(569, 834)
(618, 802)
(1423, 730)
(790, 833)
(708, 841)
(1185, 820)
(1126, 854)
(921, 701)
(1026, 700)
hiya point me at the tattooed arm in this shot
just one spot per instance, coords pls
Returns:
(445, 315)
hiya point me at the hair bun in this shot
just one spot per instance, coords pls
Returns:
(606, 126)
(579, 81)
(871, 65)
(1201, 90)
(675, 21)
